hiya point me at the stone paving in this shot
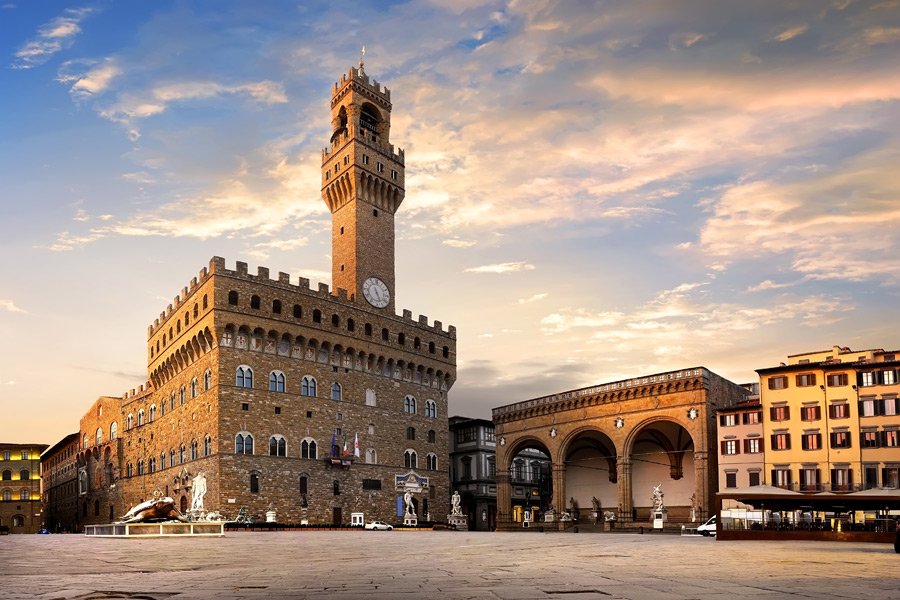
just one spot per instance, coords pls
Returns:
(442, 564)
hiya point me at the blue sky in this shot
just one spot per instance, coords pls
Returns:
(595, 190)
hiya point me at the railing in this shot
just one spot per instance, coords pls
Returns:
(823, 487)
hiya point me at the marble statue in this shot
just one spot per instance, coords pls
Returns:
(609, 516)
(456, 510)
(158, 508)
(657, 498)
(199, 490)
(407, 499)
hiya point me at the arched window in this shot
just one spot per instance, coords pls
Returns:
(196, 310)
(304, 486)
(417, 343)
(195, 453)
(401, 339)
(181, 395)
(277, 446)
(431, 347)
(431, 436)
(98, 436)
(430, 409)
(178, 326)
(172, 458)
(308, 386)
(162, 464)
(335, 321)
(298, 311)
(187, 318)
(351, 325)
(6, 475)
(385, 334)
(181, 455)
(232, 298)
(140, 467)
(276, 307)
(431, 461)
(254, 302)
(7, 495)
(172, 401)
(24, 495)
(409, 405)
(243, 444)
(409, 459)
(445, 352)
(129, 470)
(152, 465)
(244, 377)
(254, 483)
(129, 423)
(162, 408)
(24, 475)
(410, 433)
(368, 329)
(194, 386)
(113, 430)
(140, 417)
(18, 521)
(370, 398)
(335, 391)
(204, 302)
(317, 316)
(152, 413)
(207, 446)
(308, 448)
(207, 380)
(276, 381)
(84, 440)
(371, 456)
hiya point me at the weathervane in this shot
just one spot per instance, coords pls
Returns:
(362, 54)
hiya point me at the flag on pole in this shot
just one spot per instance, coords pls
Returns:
(345, 444)
(332, 442)
(356, 446)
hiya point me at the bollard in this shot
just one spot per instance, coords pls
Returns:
(642, 530)
(542, 529)
(576, 529)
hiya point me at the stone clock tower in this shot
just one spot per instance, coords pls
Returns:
(362, 184)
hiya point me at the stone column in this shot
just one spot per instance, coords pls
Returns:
(703, 486)
(504, 500)
(623, 466)
(560, 500)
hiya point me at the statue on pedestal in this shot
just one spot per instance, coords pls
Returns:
(455, 510)
(657, 498)
(199, 490)
(407, 499)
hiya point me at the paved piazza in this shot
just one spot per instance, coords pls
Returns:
(441, 564)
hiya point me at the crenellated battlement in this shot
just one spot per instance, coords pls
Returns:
(358, 77)
(340, 139)
(283, 281)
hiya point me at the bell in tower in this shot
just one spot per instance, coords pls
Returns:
(362, 184)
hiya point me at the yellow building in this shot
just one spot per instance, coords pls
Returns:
(830, 421)
(20, 487)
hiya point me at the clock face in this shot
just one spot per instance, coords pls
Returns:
(376, 292)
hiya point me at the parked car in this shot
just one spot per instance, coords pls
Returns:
(708, 528)
(43, 531)
(379, 525)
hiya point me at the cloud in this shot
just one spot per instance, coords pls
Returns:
(510, 267)
(870, 36)
(458, 243)
(50, 39)
(86, 83)
(139, 105)
(791, 33)
(771, 285)
(11, 307)
(534, 298)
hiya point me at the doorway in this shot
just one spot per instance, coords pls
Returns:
(336, 515)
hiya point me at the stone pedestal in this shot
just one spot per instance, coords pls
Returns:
(659, 518)
(410, 520)
(459, 521)
(270, 516)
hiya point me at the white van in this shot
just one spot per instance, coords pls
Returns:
(708, 528)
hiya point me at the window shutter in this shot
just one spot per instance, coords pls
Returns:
(772, 413)
(833, 478)
(818, 412)
(746, 446)
(745, 418)
(831, 411)
(819, 440)
(850, 476)
(773, 480)
(818, 476)
(859, 407)
(787, 412)
(774, 443)
(849, 440)
(721, 420)
(833, 439)
(804, 443)
(787, 441)
(722, 444)
(879, 407)
(884, 476)
(737, 447)
(859, 379)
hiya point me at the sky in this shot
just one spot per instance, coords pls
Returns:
(595, 190)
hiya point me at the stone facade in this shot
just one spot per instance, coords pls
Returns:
(20, 487)
(611, 444)
(59, 475)
(473, 472)
(251, 377)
